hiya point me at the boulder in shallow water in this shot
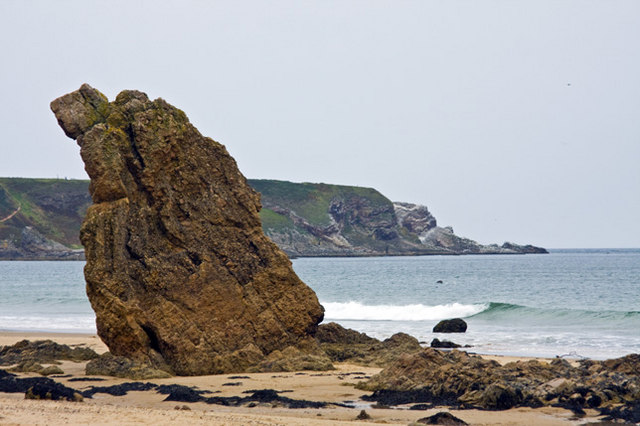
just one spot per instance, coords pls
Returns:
(445, 344)
(178, 270)
(455, 325)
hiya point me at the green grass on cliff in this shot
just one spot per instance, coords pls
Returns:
(312, 200)
(55, 207)
(275, 222)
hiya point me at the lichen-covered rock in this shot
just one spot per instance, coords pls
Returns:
(178, 271)
(118, 366)
(346, 345)
(294, 359)
(335, 333)
(34, 367)
(43, 351)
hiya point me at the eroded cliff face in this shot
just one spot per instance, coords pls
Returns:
(178, 270)
(307, 219)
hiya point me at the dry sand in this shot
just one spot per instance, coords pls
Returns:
(149, 407)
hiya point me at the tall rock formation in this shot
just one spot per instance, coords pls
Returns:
(179, 271)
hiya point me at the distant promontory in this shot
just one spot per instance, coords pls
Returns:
(40, 219)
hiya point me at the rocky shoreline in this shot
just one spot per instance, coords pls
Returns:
(408, 377)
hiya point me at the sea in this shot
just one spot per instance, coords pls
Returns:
(569, 303)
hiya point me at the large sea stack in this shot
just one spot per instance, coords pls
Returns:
(178, 270)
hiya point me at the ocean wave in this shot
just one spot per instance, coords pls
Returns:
(418, 312)
(495, 312)
(507, 311)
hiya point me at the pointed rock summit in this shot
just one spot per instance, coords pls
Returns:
(179, 272)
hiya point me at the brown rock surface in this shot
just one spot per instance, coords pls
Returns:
(346, 345)
(178, 271)
(458, 379)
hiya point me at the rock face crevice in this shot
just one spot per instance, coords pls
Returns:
(179, 271)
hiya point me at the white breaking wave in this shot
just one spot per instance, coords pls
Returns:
(418, 312)
(71, 324)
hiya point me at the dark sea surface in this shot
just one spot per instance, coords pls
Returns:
(577, 303)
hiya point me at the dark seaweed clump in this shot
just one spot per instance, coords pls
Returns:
(186, 394)
(37, 387)
(119, 390)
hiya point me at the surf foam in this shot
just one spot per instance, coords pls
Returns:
(418, 312)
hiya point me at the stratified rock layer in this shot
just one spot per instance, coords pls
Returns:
(178, 271)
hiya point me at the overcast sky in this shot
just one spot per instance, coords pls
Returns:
(511, 120)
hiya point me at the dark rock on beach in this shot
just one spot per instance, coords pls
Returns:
(37, 388)
(53, 391)
(460, 380)
(87, 379)
(119, 390)
(456, 325)
(363, 415)
(629, 412)
(442, 418)
(265, 396)
(43, 351)
(179, 271)
(179, 393)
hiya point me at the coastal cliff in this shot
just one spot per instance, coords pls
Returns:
(40, 219)
(307, 220)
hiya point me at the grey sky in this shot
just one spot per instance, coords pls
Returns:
(511, 120)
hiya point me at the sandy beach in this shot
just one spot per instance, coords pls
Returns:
(148, 407)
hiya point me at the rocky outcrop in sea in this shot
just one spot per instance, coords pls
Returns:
(179, 272)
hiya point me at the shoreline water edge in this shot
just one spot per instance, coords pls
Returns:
(565, 303)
